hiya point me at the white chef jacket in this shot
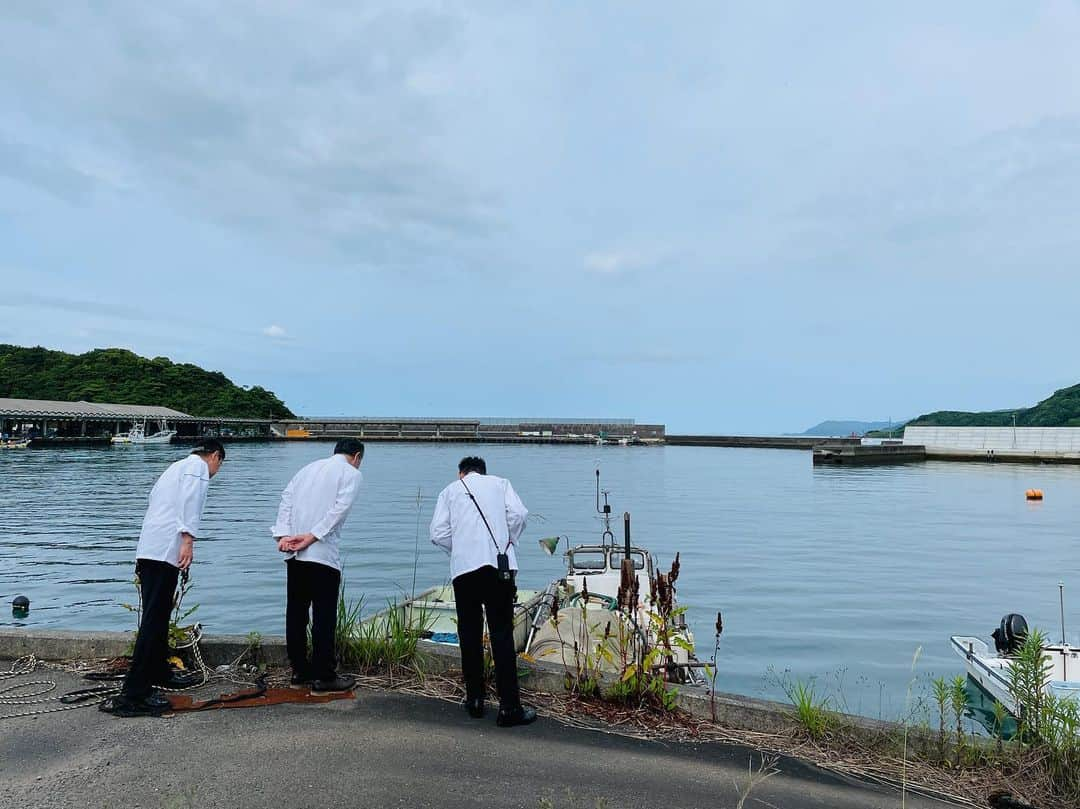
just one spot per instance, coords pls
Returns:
(176, 506)
(458, 529)
(317, 501)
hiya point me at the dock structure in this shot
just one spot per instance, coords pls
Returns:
(52, 422)
(849, 454)
(487, 430)
(96, 422)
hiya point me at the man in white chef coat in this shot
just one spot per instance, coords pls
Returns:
(478, 519)
(166, 547)
(313, 510)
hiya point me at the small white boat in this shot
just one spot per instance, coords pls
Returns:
(990, 668)
(137, 435)
(14, 443)
(433, 614)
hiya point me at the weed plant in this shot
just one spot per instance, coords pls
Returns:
(812, 711)
(1048, 726)
(386, 642)
(178, 629)
(638, 671)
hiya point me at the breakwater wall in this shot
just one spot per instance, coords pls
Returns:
(998, 444)
(755, 441)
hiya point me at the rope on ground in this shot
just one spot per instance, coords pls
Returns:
(24, 665)
(39, 693)
(33, 692)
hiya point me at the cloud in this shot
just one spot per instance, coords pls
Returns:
(275, 331)
(119, 311)
(335, 135)
(612, 262)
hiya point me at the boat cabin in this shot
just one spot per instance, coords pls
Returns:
(599, 567)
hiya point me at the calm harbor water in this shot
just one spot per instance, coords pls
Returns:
(839, 574)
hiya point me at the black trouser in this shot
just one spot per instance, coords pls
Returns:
(312, 586)
(484, 589)
(157, 581)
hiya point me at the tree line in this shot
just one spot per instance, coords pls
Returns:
(123, 377)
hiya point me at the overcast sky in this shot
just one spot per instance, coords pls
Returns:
(730, 217)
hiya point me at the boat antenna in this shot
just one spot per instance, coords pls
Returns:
(606, 512)
(1061, 601)
(416, 549)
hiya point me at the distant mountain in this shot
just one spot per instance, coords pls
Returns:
(1062, 409)
(834, 429)
(117, 376)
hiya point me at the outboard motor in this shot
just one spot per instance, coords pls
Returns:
(1010, 636)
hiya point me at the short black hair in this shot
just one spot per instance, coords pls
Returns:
(208, 446)
(348, 446)
(472, 463)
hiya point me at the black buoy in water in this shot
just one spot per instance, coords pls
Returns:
(20, 607)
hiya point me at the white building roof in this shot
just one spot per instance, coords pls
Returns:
(37, 408)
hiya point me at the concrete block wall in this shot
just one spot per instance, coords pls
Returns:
(1041, 441)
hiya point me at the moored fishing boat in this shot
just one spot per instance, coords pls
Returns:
(137, 435)
(433, 615)
(614, 607)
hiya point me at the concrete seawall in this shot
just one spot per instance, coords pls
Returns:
(998, 444)
(755, 441)
(731, 710)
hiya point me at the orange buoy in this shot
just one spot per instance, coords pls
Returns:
(1034, 494)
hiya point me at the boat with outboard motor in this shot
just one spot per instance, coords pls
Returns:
(612, 606)
(991, 670)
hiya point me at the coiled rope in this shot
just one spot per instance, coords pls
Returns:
(33, 692)
(38, 696)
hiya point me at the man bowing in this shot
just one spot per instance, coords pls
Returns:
(313, 510)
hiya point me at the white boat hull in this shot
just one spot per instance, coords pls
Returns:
(138, 437)
(992, 672)
(434, 613)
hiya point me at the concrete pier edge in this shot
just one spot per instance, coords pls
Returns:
(731, 710)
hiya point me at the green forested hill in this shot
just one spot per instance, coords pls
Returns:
(119, 376)
(1060, 410)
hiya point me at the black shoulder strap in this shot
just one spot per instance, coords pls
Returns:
(482, 517)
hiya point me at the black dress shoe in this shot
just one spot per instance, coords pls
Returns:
(518, 716)
(299, 681)
(475, 707)
(122, 706)
(338, 685)
(157, 701)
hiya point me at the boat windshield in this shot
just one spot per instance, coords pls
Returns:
(617, 556)
(588, 560)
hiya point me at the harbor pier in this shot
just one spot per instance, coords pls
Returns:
(847, 454)
(479, 430)
(88, 423)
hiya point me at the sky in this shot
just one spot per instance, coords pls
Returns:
(723, 217)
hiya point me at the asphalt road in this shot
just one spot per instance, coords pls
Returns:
(382, 750)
